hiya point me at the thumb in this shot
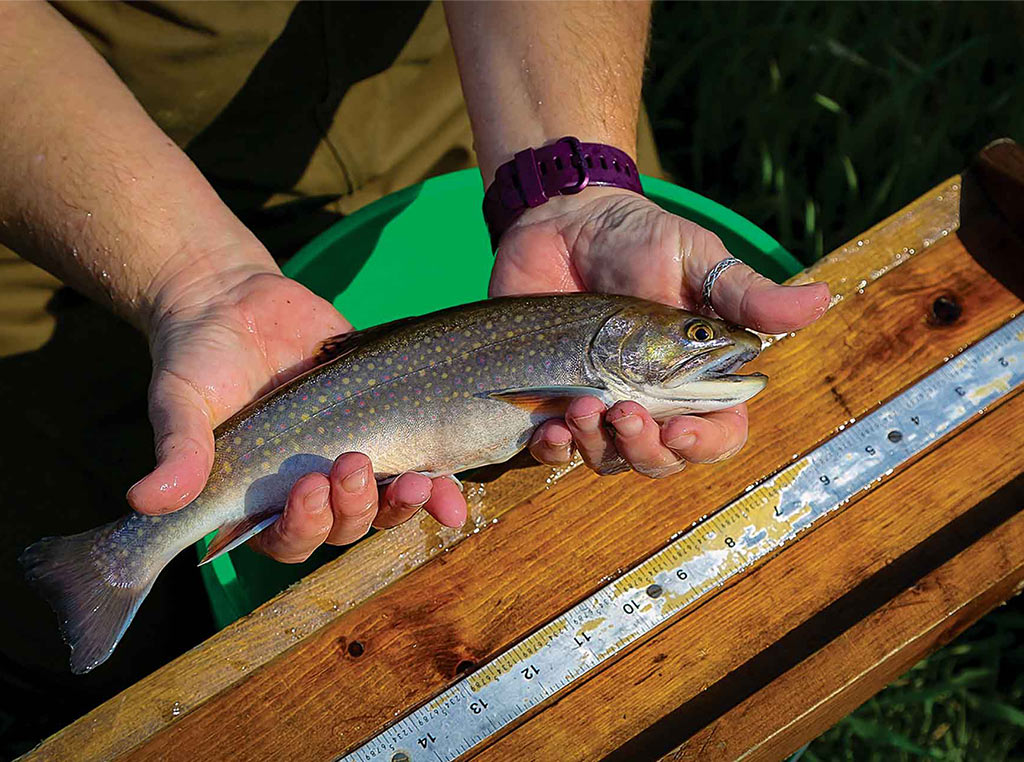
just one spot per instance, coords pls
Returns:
(743, 296)
(184, 447)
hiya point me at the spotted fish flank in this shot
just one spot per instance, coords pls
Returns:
(457, 389)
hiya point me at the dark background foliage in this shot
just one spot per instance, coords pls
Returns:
(816, 120)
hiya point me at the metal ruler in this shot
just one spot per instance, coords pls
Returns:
(768, 515)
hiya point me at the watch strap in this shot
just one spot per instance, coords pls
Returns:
(562, 168)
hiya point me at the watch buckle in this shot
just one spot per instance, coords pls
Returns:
(576, 159)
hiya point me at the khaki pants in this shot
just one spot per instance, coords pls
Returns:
(298, 115)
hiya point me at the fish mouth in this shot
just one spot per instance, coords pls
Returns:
(715, 365)
(708, 381)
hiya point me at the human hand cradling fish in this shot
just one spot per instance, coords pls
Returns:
(539, 84)
(615, 241)
(219, 343)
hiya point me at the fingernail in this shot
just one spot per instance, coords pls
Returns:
(586, 422)
(404, 506)
(628, 425)
(561, 439)
(316, 500)
(356, 481)
(683, 441)
(128, 493)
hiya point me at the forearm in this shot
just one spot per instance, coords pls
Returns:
(534, 72)
(91, 189)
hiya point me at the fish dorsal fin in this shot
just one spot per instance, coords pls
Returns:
(547, 400)
(338, 346)
(230, 536)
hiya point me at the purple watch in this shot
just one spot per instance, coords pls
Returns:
(565, 167)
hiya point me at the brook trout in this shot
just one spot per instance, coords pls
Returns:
(439, 394)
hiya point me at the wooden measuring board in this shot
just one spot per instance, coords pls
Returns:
(756, 666)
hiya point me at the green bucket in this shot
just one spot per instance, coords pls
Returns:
(427, 248)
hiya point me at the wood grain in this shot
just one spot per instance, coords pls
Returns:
(263, 686)
(833, 681)
(804, 599)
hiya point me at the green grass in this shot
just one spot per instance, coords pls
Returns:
(963, 702)
(817, 120)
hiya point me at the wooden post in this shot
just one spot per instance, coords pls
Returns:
(753, 672)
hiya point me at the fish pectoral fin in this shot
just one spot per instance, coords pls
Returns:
(230, 536)
(549, 400)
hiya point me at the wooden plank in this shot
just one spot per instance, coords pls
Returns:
(421, 632)
(809, 596)
(167, 697)
(832, 682)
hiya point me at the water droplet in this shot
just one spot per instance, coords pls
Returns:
(176, 709)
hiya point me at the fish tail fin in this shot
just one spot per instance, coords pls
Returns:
(94, 589)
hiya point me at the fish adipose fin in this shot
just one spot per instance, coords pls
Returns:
(547, 400)
(94, 607)
(230, 536)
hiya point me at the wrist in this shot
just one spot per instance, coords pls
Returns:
(197, 276)
(500, 146)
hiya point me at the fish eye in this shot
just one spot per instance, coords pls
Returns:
(699, 331)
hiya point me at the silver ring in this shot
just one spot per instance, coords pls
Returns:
(714, 274)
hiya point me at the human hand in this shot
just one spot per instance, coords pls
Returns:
(615, 241)
(218, 343)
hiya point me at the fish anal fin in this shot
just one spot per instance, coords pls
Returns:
(545, 400)
(230, 536)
